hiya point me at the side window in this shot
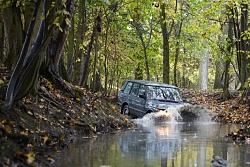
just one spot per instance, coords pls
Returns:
(135, 89)
(142, 90)
(128, 87)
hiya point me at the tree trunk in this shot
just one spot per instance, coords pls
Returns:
(237, 42)
(14, 34)
(62, 35)
(243, 42)
(177, 52)
(165, 35)
(79, 48)
(26, 71)
(144, 47)
(56, 65)
(2, 58)
(226, 94)
(218, 75)
(105, 63)
(85, 66)
(28, 14)
(96, 75)
(70, 54)
(203, 70)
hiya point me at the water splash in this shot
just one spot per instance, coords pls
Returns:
(197, 113)
(177, 114)
(171, 115)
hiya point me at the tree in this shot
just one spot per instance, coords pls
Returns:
(165, 37)
(25, 74)
(26, 70)
(11, 14)
(240, 24)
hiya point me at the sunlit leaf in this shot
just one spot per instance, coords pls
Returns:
(26, 132)
(30, 157)
(41, 106)
(44, 139)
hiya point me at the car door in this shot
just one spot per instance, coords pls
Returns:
(140, 102)
(124, 93)
(133, 99)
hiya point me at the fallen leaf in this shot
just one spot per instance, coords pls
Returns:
(30, 157)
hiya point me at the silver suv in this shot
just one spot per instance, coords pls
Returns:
(139, 97)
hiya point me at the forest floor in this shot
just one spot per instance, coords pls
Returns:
(34, 129)
(234, 110)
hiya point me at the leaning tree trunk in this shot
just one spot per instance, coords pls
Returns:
(62, 35)
(26, 71)
(55, 64)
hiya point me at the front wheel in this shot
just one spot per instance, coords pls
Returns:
(125, 110)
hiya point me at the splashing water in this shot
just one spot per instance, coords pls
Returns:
(197, 113)
(175, 114)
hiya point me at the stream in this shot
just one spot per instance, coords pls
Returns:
(160, 139)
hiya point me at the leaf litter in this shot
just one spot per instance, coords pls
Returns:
(38, 126)
(235, 110)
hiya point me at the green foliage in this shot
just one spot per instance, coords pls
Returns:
(118, 50)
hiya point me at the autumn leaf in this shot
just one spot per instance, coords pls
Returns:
(18, 153)
(44, 139)
(3, 121)
(26, 132)
(67, 99)
(7, 128)
(62, 138)
(30, 157)
(41, 106)
(113, 108)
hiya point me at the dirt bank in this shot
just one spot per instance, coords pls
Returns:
(40, 125)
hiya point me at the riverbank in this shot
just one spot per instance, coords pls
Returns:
(34, 129)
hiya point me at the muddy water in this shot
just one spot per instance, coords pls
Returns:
(160, 140)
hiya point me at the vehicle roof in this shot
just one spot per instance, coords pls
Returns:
(146, 82)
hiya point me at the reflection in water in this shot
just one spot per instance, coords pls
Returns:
(169, 144)
(174, 145)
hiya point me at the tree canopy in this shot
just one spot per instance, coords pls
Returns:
(97, 44)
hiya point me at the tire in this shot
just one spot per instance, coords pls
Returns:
(125, 110)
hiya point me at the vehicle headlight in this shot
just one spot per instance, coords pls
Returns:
(160, 110)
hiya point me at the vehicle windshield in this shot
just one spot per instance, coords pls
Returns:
(163, 93)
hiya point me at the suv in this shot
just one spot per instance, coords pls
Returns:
(139, 97)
